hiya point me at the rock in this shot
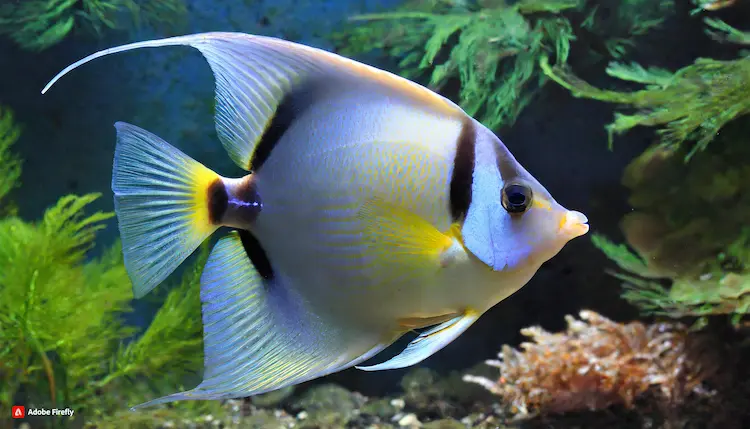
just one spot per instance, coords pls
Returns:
(382, 408)
(421, 388)
(444, 424)
(267, 419)
(398, 404)
(409, 421)
(327, 406)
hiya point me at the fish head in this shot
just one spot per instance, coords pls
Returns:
(513, 222)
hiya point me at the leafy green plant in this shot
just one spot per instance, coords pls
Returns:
(690, 105)
(492, 51)
(64, 341)
(489, 50)
(723, 32)
(38, 24)
(10, 165)
(618, 23)
(689, 228)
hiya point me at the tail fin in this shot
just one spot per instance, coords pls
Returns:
(162, 205)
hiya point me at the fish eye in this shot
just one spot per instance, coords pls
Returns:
(516, 198)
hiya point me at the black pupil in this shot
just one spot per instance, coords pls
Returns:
(516, 195)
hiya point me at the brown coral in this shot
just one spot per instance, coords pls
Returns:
(594, 364)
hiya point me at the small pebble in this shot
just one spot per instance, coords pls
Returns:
(302, 415)
(398, 403)
(409, 420)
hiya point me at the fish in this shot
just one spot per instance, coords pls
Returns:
(372, 207)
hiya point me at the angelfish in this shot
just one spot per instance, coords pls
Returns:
(372, 207)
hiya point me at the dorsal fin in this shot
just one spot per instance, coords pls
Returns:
(255, 73)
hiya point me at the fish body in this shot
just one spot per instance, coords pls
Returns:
(372, 206)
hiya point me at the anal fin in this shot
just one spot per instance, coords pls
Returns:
(259, 337)
(428, 342)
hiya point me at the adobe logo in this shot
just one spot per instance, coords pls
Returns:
(18, 412)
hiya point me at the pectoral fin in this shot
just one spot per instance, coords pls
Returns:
(395, 235)
(428, 343)
(402, 245)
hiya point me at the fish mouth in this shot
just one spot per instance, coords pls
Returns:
(574, 224)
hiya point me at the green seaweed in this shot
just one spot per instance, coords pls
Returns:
(725, 293)
(39, 24)
(490, 50)
(689, 228)
(619, 23)
(64, 341)
(689, 105)
(723, 32)
(10, 164)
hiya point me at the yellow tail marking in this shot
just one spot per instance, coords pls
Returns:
(201, 179)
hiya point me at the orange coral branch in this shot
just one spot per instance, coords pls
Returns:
(594, 364)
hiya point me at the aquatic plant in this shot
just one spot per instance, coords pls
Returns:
(723, 32)
(617, 24)
(689, 228)
(38, 24)
(594, 364)
(63, 338)
(490, 49)
(61, 330)
(10, 164)
(723, 288)
(689, 222)
(691, 104)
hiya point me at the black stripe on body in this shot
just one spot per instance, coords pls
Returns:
(257, 254)
(463, 171)
(289, 109)
(218, 201)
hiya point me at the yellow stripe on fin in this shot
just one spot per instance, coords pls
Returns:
(200, 207)
(162, 206)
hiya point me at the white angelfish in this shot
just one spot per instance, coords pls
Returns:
(372, 206)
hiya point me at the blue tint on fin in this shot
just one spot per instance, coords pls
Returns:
(258, 337)
(155, 188)
(427, 343)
